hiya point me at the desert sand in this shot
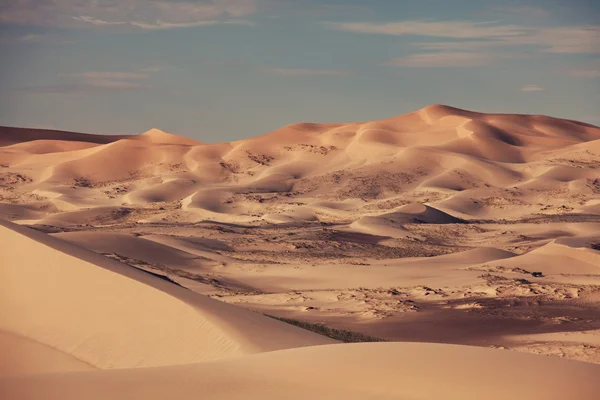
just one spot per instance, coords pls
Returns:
(147, 266)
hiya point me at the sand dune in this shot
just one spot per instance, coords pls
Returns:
(159, 137)
(109, 315)
(21, 355)
(12, 135)
(154, 256)
(353, 371)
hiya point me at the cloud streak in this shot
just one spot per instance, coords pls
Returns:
(442, 59)
(467, 35)
(95, 81)
(98, 85)
(531, 88)
(590, 70)
(108, 75)
(522, 10)
(304, 72)
(127, 14)
(448, 29)
(35, 38)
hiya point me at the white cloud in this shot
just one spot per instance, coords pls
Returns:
(531, 88)
(586, 73)
(108, 75)
(443, 59)
(34, 38)
(170, 25)
(568, 39)
(152, 68)
(466, 45)
(132, 14)
(96, 21)
(96, 81)
(522, 10)
(304, 72)
(96, 85)
(449, 29)
(482, 35)
(112, 84)
(589, 70)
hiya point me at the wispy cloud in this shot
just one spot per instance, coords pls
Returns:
(590, 70)
(586, 73)
(448, 29)
(96, 21)
(567, 39)
(158, 25)
(94, 81)
(302, 9)
(465, 45)
(97, 85)
(522, 10)
(171, 25)
(469, 35)
(152, 68)
(442, 59)
(35, 38)
(127, 14)
(531, 88)
(108, 75)
(304, 72)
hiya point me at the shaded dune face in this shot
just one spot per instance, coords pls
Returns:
(12, 136)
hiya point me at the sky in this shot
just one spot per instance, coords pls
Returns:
(222, 70)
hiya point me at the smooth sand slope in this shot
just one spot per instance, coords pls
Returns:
(77, 311)
(349, 371)
(110, 315)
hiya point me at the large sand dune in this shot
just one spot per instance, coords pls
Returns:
(349, 371)
(425, 227)
(110, 315)
(77, 311)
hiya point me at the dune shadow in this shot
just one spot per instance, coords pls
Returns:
(497, 319)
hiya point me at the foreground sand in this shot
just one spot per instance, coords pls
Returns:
(86, 334)
(349, 371)
(425, 227)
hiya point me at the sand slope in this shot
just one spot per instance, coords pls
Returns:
(350, 371)
(56, 297)
(110, 315)
(25, 356)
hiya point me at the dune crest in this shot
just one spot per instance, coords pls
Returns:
(159, 137)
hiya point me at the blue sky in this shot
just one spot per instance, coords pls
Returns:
(219, 70)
